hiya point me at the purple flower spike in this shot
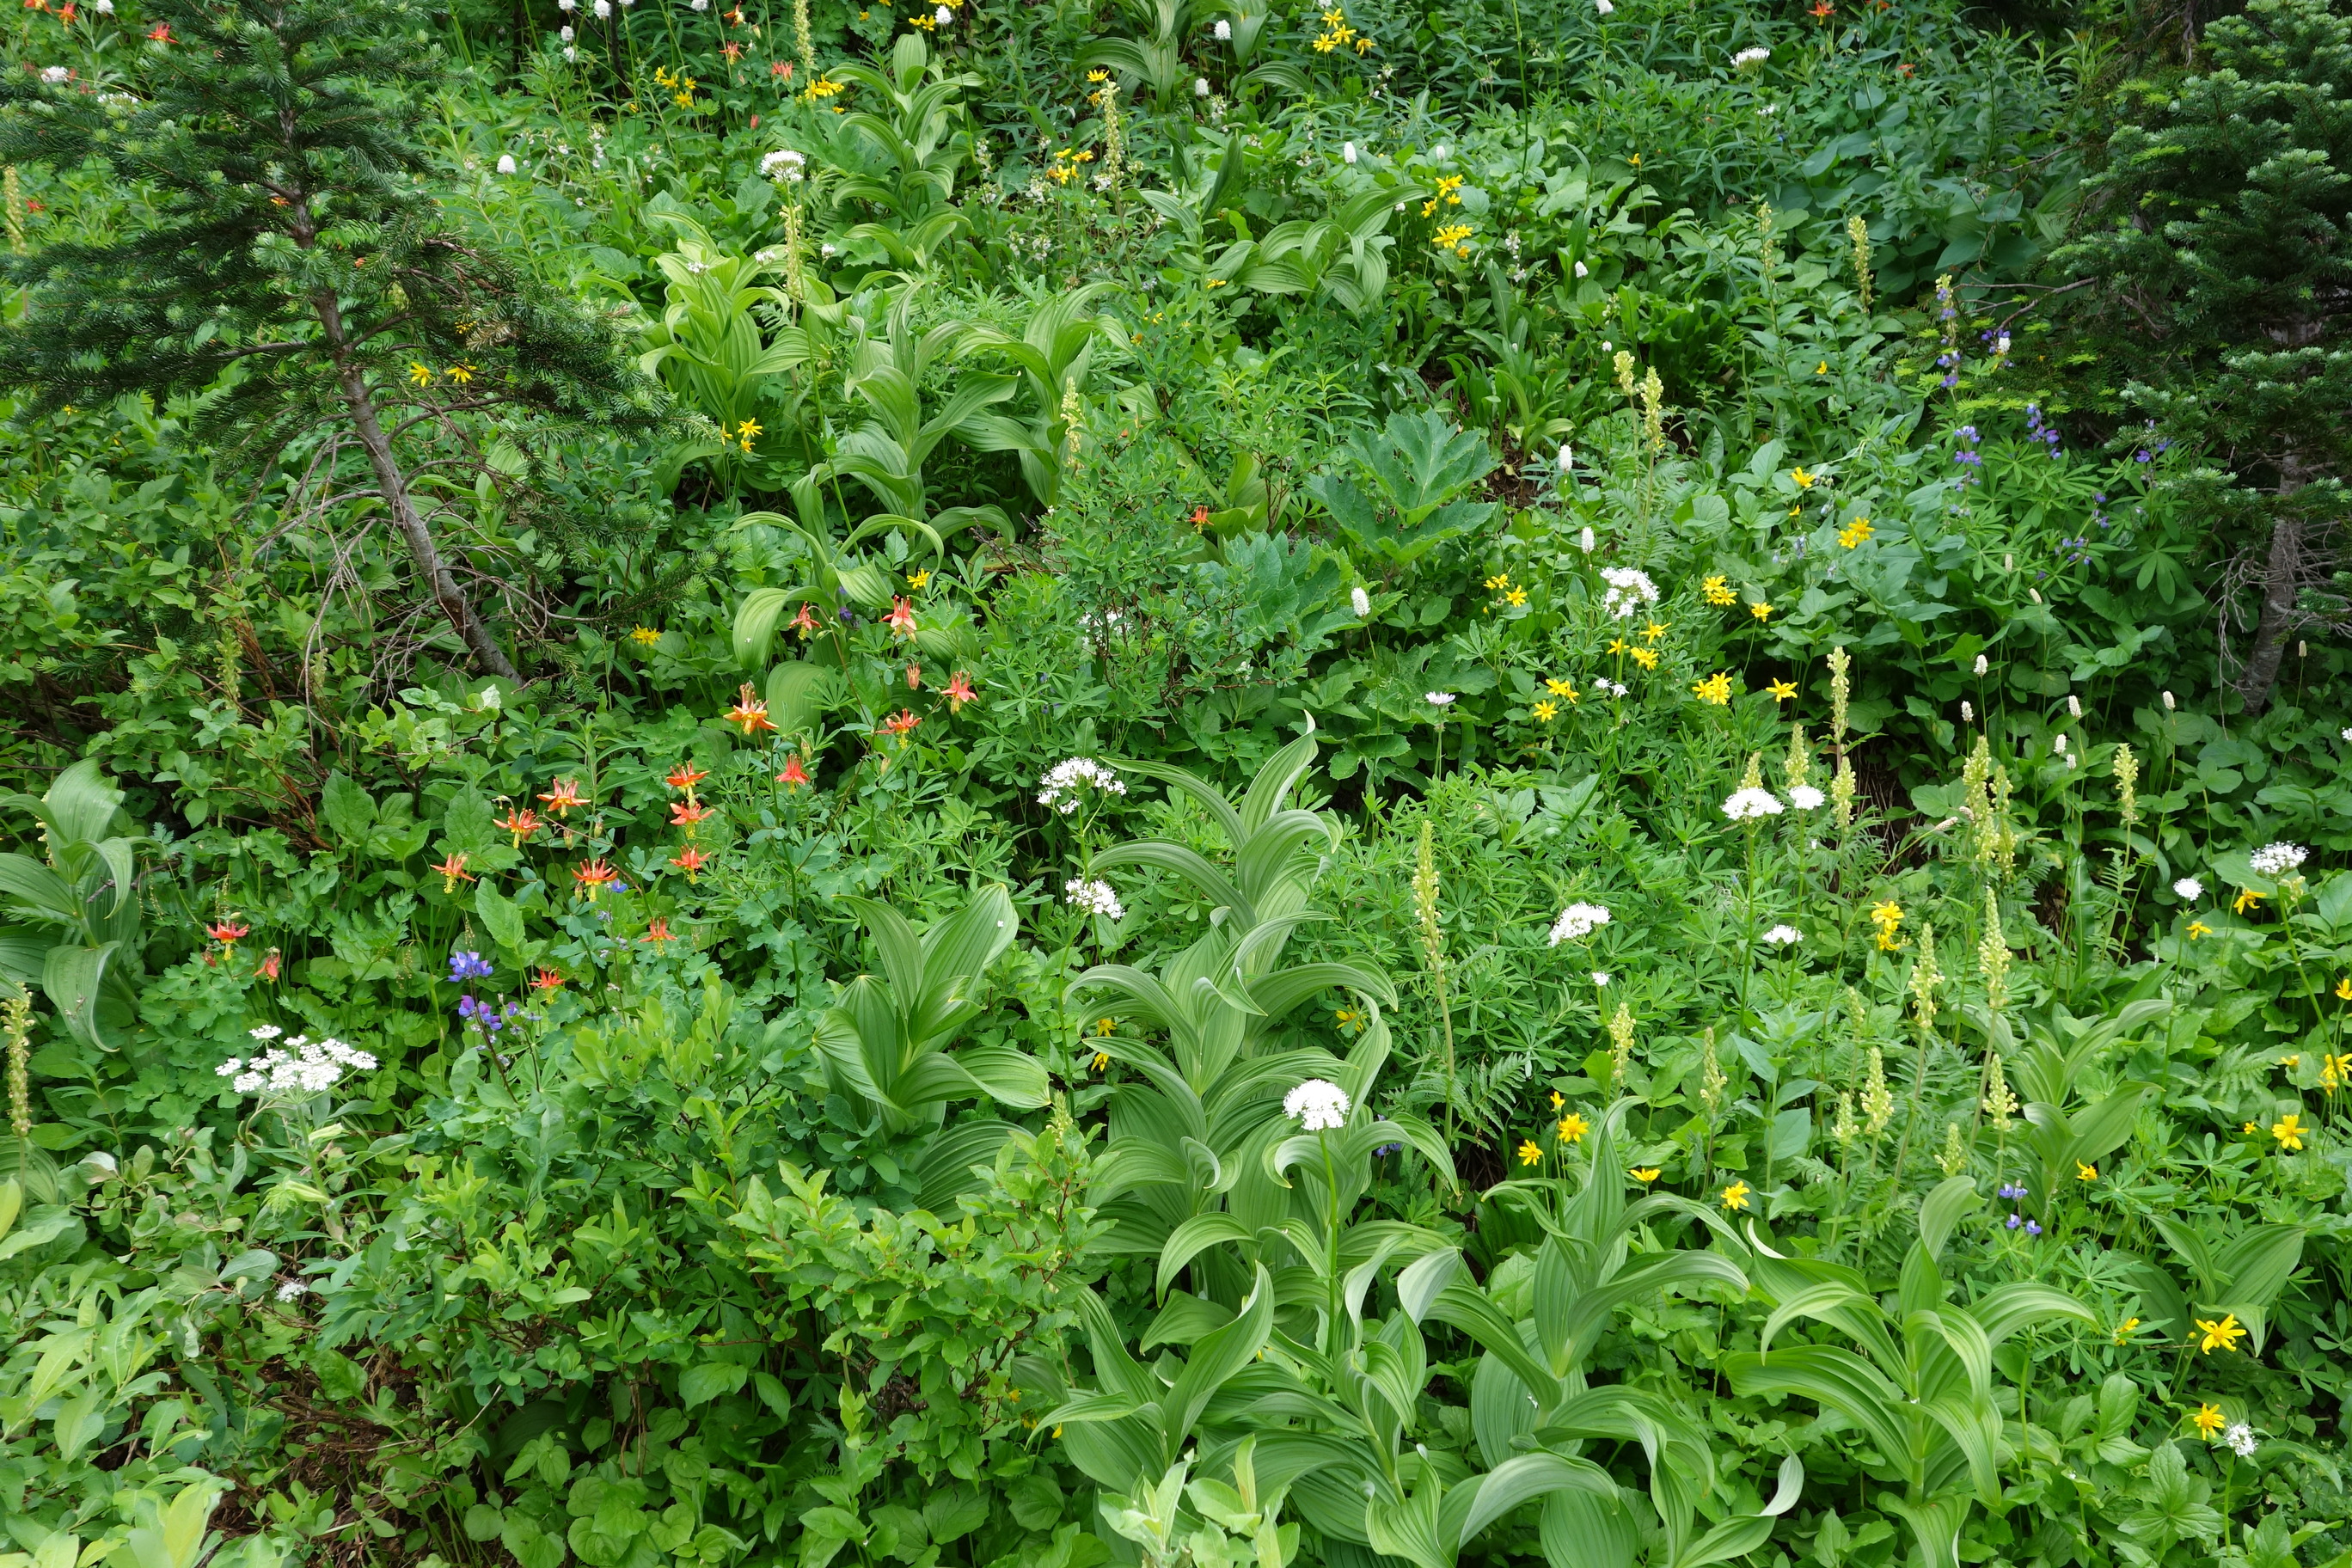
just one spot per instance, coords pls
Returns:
(2032, 1228)
(467, 965)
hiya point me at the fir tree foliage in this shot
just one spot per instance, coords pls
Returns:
(291, 271)
(2227, 250)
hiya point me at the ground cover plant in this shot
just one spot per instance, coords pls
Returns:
(1177, 784)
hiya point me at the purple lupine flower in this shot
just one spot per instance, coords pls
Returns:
(2032, 1228)
(467, 965)
(2016, 1220)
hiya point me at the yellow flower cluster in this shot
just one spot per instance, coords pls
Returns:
(743, 434)
(1718, 592)
(1561, 688)
(1888, 918)
(1452, 238)
(1337, 35)
(423, 374)
(1067, 161)
(1449, 193)
(1854, 532)
(1715, 689)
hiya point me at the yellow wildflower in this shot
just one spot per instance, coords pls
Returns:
(1715, 689)
(2207, 1420)
(1718, 592)
(421, 374)
(1782, 691)
(1498, 581)
(644, 636)
(1560, 689)
(1854, 532)
(2289, 1131)
(1516, 598)
(1545, 711)
(1804, 481)
(2224, 1334)
(1573, 1127)
(1655, 630)
(1761, 611)
(2246, 899)
(1646, 657)
(2124, 1330)
(1734, 1196)
(2085, 1173)
(2198, 928)
(1644, 1174)
(918, 579)
(1529, 1152)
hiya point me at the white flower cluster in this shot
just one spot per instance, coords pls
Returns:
(1059, 787)
(1578, 921)
(1783, 936)
(1438, 699)
(2188, 888)
(1601, 683)
(784, 165)
(2242, 1440)
(1095, 898)
(291, 1289)
(1805, 798)
(300, 1066)
(2347, 728)
(1628, 591)
(1751, 57)
(1360, 602)
(1225, 31)
(1751, 804)
(56, 75)
(2276, 859)
(506, 163)
(1317, 1105)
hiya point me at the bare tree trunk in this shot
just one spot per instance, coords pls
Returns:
(2279, 574)
(452, 599)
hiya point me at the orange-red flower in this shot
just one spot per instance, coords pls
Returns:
(794, 775)
(685, 776)
(688, 815)
(521, 823)
(805, 623)
(227, 932)
(563, 796)
(901, 618)
(547, 980)
(657, 932)
(959, 692)
(161, 32)
(749, 712)
(1200, 517)
(594, 878)
(900, 724)
(451, 872)
(732, 50)
(691, 861)
(269, 964)
(914, 678)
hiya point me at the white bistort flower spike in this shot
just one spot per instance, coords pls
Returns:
(1578, 921)
(1361, 602)
(1225, 31)
(1317, 1105)
(506, 163)
(1200, 87)
(1347, 152)
(1059, 788)
(1438, 700)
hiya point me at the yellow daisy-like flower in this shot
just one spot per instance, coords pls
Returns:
(2085, 1173)
(1102, 1060)
(1573, 1127)
(1516, 598)
(1804, 481)
(1782, 691)
(461, 373)
(1854, 532)
(1529, 1152)
(1655, 630)
(1499, 580)
(918, 579)
(421, 374)
(1715, 689)
(2198, 928)
(1718, 592)
(1105, 1025)
(1545, 711)
(2223, 1335)
(1822, 368)
(644, 636)
(2246, 899)
(2251, 1127)
(2124, 1330)
(1618, 645)
(1560, 689)
(1646, 657)
(1558, 1100)
(1098, 77)
(2207, 1420)
(1761, 610)
(2289, 1131)
(1734, 1196)
(1644, 1174)
(2343, 988)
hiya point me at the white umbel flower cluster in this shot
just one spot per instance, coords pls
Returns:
(784, 165)
(1095, 898)
(2276, 859)
(2188, 888)
(1751, 57)
(1751, 804)
(302, 1065)
(1060, 786)
(1783, 936)
(1805, 798)
(291, 1289)
(1628, 591)
(1318, 1105)
(2242, 1440)
(1578, 921)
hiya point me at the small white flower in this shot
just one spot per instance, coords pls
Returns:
(2241, 1439)
(1603, 7)
(943, 16)
(1361, 602)
(506, 163)
(265, 1031)
(1629, 590)
(1225, 31)
(565, 34)
(1567, 456)
(2347, 728)
(291, 1289)
(2189, 889)
(1614, 687)
(784, 165)
(571, 54)
(1805, 798)
(1059, 788)
(104, 7)
(1347, 152)
(54, 74)
(2276, 859)
(1751, 804)
(1584, 540)
(1317, 1105)
(2074, 706)
(2168, 701)
(1968, 711)
(1601, 977)
(1578, 921)
(1783, 936)
(1750, 57)
(2058, 743)
(604, 9)
(1095, 898)
(1983, 664)
(1438, 700)
(1200, 87)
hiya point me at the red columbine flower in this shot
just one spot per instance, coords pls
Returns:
(779, 67)
(547, 980)
(805, 623)
(959, 692)
(227, 932)
(270, 963)
(451, 872)
(687, 813)
(748, 712)
(563, 796)
(1199, 517)
(691, 861)
(521, 823)
(686, 777)
(1822, 9)
(161, 34)
(901, 618)
(733, 51)
(794, 775)
(914, 678)
(657, 932)
(901, 724)
(594, 878)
